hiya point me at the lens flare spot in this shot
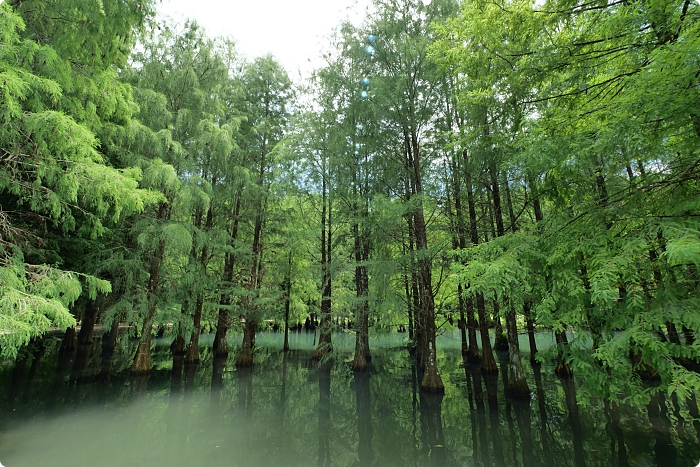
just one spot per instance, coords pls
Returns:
(370, 50)
(364, 94)
(364, 81)
(372, 38)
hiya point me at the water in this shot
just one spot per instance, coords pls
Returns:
(83, 410)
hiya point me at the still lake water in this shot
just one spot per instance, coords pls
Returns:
(82, 410)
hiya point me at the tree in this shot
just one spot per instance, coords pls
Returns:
(54, 178)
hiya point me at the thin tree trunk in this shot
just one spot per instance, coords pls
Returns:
(287, 301)
(325, 345)
(517, 386)
(223, 318)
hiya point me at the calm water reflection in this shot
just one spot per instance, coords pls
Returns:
(82, 408)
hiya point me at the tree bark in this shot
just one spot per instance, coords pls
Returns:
(87, 324)
(325, 345)
(245, 356)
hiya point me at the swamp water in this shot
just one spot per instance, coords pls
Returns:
(83, 409)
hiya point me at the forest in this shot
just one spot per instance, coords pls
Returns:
(502, 168)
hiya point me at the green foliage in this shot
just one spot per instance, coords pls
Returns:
(53, 179)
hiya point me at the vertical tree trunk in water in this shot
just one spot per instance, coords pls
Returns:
(500, 341)
(409, 309)
(563, 369)
(488, 362)
(192, 356)
(223, 319)
(517, 386)
(222, 322)
(462, 321)
(432, 381)
(362, 354)
(527, 311)
(69, 341)
(87, 324)
(325, 344)
(473, 354)
(245, 356)
(418, 331)
(287, 302)
(109, 338)
(142, 359)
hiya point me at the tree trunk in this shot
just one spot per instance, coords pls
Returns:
(517, 386)
(488, 362)
(69, 341)
(527, 307)
(473, 354)
(432, 381)
(325, 345)
(501, 340)
(287, 302)
(245, 356)
(87, 324)
(223, 319)
(362, 354)
(142, 360)
(563, 369)
(192, 356)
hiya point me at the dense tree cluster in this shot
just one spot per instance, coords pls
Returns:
(502, 165)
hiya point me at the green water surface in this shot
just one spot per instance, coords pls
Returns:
(84, 409)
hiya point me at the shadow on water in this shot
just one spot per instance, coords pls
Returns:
(618, 451)
(431, 429)
(547, 460)
(324, 415)
(665, 453)
(365, 453)
(574, 421)
(216, 415)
